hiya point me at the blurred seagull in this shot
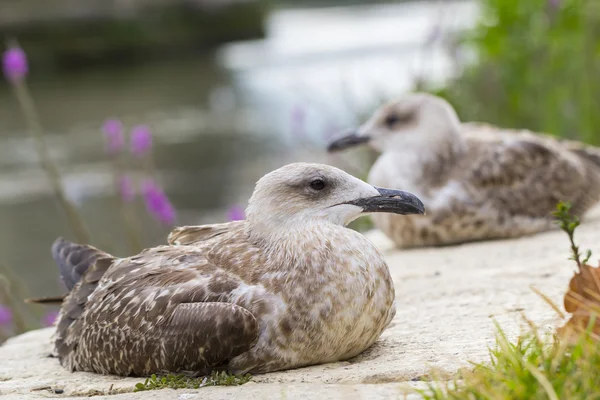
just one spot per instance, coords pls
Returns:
(290, 286)
(479, 182)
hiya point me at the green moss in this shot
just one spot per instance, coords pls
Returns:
(221, 378)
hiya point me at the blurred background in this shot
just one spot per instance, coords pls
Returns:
(163, 112)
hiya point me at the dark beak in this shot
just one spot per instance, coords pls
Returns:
(391, 201)
(349, 140)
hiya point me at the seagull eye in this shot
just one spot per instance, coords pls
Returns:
(391, 120)
(317, 184)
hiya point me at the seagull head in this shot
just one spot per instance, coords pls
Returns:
(302, 193)
(416, 122)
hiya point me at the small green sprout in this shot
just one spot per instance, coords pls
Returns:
(568, 223)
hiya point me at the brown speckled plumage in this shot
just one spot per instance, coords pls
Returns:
(477, 181)
(288, 287)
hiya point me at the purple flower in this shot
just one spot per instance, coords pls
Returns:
(6, 315)
(141, 140)
(434, 34)
(113, 132)
(298, 118)
(554, 4)
(50, 318)
(236, 213)
(126, 189)
(14, 64)
(157, 203)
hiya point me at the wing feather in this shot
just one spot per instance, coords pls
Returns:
(530, 176)
(189, 235)
(165, 310)
(201, 335)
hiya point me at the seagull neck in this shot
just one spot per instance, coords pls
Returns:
(292, 235)
(318, 252)
(448, 152)
(430, 165)
(447, 147)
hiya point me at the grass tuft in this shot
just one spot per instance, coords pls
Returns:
(534, 367)
(530, 369)
(216, 378)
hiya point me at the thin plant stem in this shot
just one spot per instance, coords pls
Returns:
(35, 130)
(149, 166)
(127, 212)
(130, 222)
(7, 297)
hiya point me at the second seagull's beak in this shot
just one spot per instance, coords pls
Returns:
(350, 139)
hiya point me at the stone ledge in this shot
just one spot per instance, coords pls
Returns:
(447, 301)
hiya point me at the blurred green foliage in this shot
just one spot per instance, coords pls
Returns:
(536, 66)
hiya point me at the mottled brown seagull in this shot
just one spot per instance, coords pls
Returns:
(288, 287)
(479, 182)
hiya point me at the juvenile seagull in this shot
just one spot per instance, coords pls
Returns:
(288, 287)
(479, 182)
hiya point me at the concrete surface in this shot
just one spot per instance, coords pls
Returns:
(447, 300)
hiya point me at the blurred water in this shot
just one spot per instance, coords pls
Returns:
(220, 121)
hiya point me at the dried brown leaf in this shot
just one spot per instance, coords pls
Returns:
(582, 301)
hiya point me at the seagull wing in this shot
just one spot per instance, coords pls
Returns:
(483, 131)
(587, 152)
(165, 310)
(190, 235)
(530, 176)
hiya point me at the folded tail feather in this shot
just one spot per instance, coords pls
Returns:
(73, 260)
(81, 267)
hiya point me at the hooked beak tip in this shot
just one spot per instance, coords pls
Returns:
(408, 203)
(392, 201)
